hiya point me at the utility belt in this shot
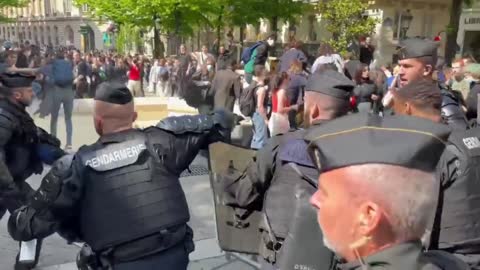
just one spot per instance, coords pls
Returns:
(270, 245)
(87, 259)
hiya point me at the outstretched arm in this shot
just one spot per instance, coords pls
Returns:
(190, 134)
(53, 205)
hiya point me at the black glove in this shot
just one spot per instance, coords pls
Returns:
(224, 122)
(17, 218)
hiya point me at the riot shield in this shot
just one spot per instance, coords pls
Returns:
(303, 248)
(242, 236)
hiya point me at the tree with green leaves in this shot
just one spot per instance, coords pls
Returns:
(11, 3)
(182, 17)
(346, 21)
(452, 28)
(172, 16)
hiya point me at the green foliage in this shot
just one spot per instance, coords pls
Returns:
(244, 12)
(346, 22)
(10, 3)
(189, 14)
(128, 39)
(143, 13)
(184, 17)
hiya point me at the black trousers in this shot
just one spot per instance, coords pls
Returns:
(11, 204)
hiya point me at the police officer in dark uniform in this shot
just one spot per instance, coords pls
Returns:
(283, 165)
(454, 230)
(24, 147)
(374, 209)
(417, 60)
(122, 195)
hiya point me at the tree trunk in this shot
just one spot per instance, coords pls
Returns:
(219, 28)
(157, 50)
(452, 31)
(242, 34)
(274, 23)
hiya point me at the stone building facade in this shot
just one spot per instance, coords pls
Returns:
(429, 19)
(53, 22)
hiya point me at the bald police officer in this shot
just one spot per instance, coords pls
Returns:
(122, 195)
(283, 165)
(379, 227)
(417, 60)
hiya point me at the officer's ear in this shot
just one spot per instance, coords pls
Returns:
(17, 95)
(134, 116)
(98, 123)
(428, 70)
(408, 108)
(369, 218)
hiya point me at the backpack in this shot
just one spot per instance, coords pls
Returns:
(247, 52)
(62, 72)
(164, 74)
(247, 101)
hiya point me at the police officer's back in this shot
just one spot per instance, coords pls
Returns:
(283, 165)
(122, 195)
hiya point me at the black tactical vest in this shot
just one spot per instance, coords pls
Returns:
(460, 217)
(452, 113)
(280, 201)
(21, 157)
(129, 192)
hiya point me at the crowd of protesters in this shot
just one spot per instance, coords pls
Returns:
(212, 78)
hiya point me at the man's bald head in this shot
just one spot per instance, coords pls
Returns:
(114, 108)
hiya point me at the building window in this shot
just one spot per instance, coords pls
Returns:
(39, 8)
(34, 8)
(85, 8)
(53, 5)
(55, 35)
(35, 35)
(69, 34)
(67, 6)
(42, 36)
(48, 8)
(312, 35)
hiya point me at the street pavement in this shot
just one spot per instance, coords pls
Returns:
(58, 255)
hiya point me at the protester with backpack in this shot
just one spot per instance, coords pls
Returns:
(63, 94)
(162, 79)
(256, 55)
